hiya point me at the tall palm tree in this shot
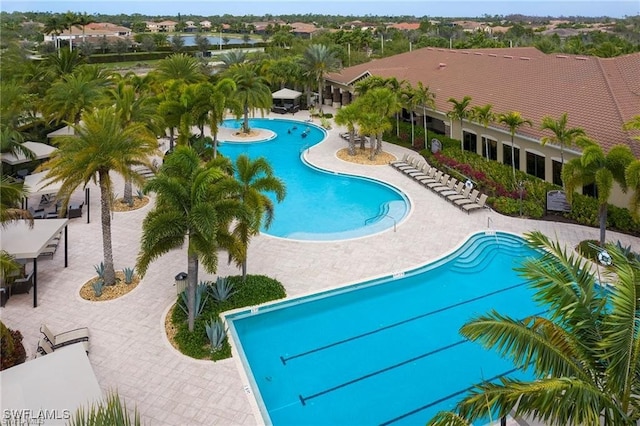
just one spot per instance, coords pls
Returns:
(68, 98)
(596, 167)
(384, 103)
(132, 107)
(584, 353)
(459, 111)
(191, 206)
(219, 101)
(514, 121)
(485, 116)
(253, 178)
(251, 91)
(426, 99)
(562, 135)
(70, 20)
(409, 101)
(99, 146)
(83, 20)
(170, 107)
(54, 24)
(318, 60)
(181, 67)
(348, 116)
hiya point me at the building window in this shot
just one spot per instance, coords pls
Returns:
(506, 155)
(490, 149)
(535, 165)
(590, 190)
(470, 142)
(556, 171)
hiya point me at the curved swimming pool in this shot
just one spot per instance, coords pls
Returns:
(320, 205)
(385, 351)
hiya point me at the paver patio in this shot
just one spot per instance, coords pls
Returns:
(129, 349)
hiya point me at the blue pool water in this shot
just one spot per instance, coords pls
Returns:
(319, 205)
(385, 351)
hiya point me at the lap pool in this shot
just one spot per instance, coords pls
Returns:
(319, 205)
(385, 351)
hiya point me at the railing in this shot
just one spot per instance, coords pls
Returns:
(366, 222)
(306, 147)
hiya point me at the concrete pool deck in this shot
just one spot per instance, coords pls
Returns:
(129, 349)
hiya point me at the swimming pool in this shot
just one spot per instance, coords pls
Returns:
(319, 205)
(386, 351)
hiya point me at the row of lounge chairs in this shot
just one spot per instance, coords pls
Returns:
(460, 194)
(50, 342)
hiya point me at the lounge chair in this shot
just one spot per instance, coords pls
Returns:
(75, 211)
(440, 183)
(22, 285)
(418, 169)
(430, 176)
(421, 172)
(65, 338)
(480, 204)
(401, 162)
(450, 185)
(457, 189)
(470, 199)
(45, 347)
(464, 194)
(411, 164)
(435, 179)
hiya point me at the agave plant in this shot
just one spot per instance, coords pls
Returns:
(128, 275)
(97, 287)
(201, 299)
(222, 290)
(111, 411)
(216, 333)
(140, 194)
(99, 270)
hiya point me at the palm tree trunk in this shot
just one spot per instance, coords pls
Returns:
(171, 138)
(424, 123)
(602, 215)
(320, 96)
(413, 131)
(379, 143)
(513, 161)
(215, 144)
(397, 125)
(192, 282)
(244, 270)
(128, 192)
(362, 139)
(461, 137)
(245, 123)
(105, 210)
(352, 144)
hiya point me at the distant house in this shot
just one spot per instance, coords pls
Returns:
(405, 26)
(190, 27)
(205, 25)
(167, 26)
(472, 26)
(302, 29)
(91, 32)
(152, 26)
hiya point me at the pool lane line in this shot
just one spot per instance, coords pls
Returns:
(369, 333)
(304, 399)
(438, 401)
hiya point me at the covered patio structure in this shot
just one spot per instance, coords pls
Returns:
(38, 185)
(286, 100)
(22, 241)
(51, 387)
(41, 151)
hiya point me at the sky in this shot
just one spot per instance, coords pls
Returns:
(434, 8)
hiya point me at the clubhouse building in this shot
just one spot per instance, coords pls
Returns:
(598, 95)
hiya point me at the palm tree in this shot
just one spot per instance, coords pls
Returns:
(513, 120)
(181, 67)
(68, 98)
(485, 116)
(99, 146)
(426, 99)
(348, 116)
(83, 20)
(459, 111)
(253, 178)
(54, 25)
(220, 100)
(410, 102)
(11, 195)
(11, 142)
(383, 103)
(132, 107)
(251, 91)
(318, 60)
(584, 352)
(170, 108)
(596, 167)
(70, 20)
(190, 205)
(561, 134)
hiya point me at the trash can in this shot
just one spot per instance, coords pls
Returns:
(181, 282)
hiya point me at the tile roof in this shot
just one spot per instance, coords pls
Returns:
(598, 94)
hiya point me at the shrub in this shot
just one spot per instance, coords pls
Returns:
(98, 286)
(202, 294)
(99, 269)
(216, 333)
(111, 411)
(11, 348)
(257, 289)
(589, 249)
(128, 275)
(222, 290)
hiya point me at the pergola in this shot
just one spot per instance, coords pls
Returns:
(24, 242)
(41, 151)
(60, 382)
(38, 184)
